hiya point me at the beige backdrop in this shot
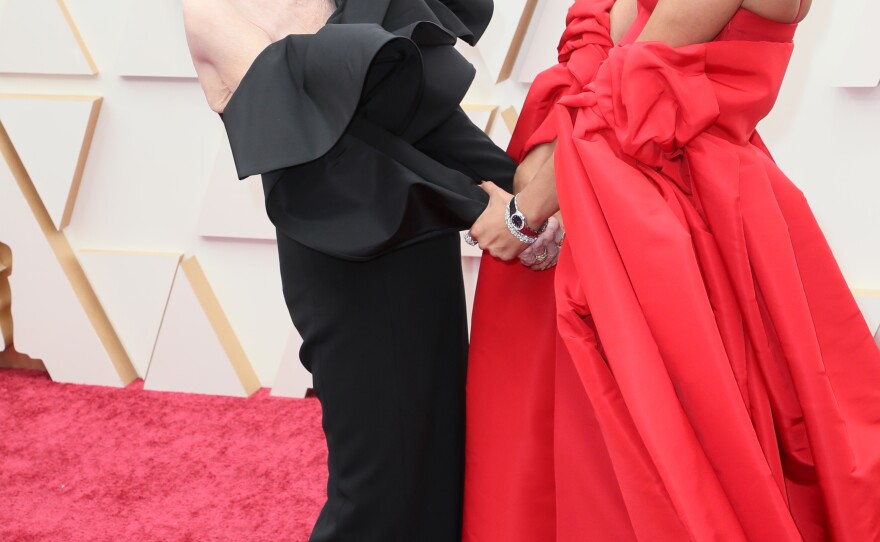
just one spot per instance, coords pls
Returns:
(136, 252)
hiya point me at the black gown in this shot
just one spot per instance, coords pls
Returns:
(370, 169)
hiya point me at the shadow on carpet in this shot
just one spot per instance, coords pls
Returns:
(86, 463)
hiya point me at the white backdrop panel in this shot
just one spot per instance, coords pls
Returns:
(133, 288)
(539, 47)
(189, 355)
(49, 321)
(44, 126)
(234, 208)
(155, 43)
(292, 380)
(35, 37)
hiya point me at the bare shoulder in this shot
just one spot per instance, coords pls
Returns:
(222, 43)
(198, 13)
(204, 22)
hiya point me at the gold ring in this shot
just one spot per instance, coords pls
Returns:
(542, 256)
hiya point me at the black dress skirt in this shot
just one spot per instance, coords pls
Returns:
(370, 169)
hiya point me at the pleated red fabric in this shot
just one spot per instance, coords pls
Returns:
(709, 374)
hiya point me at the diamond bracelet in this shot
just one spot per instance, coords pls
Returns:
(514, 231)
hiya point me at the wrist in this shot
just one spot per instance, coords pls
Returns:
(535, 211)
(519, 225)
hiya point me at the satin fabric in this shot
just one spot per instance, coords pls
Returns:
(713, 378)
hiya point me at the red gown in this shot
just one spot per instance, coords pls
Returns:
(709, 375)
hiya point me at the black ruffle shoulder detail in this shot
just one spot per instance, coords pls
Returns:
(357, 130)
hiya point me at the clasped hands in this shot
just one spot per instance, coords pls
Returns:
(535, 184)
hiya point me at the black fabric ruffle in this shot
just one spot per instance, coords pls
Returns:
(355, 129)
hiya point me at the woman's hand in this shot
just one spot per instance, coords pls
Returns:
(544, 253)
(490, 230)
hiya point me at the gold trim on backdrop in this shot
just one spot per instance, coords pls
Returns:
(77, 36)
(511, 117)
(75, 183)
(69, 264)
(5, 294)
(493, 112)
(48, 97)
(516, 42)
(861, 292)
(220, 322)
(81, 162)
(126, 251)
(144, 253)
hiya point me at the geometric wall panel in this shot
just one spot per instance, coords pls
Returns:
(55, 313)
(507, 29)
(133, 288)
(59, 127)
(541, 41)
(470, 268)
(481, 115)
(39, 36)
(155, 42)
(510, 118)
(501, 132)
(858, 65)
(293, 380)
(234, 208)
(197, 350)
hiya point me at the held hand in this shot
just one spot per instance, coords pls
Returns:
(544, 253)
(490, 231)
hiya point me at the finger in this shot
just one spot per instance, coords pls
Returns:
(503, 254)
(540, 266)
(488, 187)
(554, 256)
(548, 263)
(511, 253)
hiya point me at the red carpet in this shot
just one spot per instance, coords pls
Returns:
(83, 463)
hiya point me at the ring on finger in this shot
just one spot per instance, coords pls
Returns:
(470, 240)
(542, 256)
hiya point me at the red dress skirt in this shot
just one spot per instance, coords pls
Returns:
(696, 367)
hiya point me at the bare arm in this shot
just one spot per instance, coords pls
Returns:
(531, 164)
(222, 45)
(623, 14)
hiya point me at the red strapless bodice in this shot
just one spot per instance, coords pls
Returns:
(744, 25)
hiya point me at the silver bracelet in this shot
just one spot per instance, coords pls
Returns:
(528, 239)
